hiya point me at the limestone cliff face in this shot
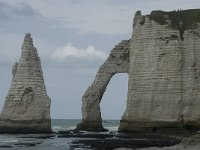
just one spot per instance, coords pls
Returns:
(27, 105)
(164, 73)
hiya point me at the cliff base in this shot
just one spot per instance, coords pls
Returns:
(25, 126)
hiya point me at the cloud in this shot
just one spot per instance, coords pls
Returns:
(102, 17)
(70, 51)
(89, 18)
(21, 10)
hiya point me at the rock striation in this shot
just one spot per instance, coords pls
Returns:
(164, 74)
(27, 105)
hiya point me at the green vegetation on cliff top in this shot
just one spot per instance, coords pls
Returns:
(180, 19)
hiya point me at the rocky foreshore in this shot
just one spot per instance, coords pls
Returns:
(113, 140)
(105, 141)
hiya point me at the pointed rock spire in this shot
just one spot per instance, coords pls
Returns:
(28, 42)
(27, 105)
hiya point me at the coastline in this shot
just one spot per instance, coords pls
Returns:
(85, 140)
(65, 138)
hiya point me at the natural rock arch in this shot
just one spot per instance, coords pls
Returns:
(113, 102)
(117, 62)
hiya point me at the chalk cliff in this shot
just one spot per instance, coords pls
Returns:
(27, 105)
(164, 74)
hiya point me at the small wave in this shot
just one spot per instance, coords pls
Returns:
(110, 121)
(112, 128)
(57, 127)
(10, 141)
(62, 128)
(71, 128)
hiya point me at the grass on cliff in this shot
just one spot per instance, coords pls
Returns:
(180, 20)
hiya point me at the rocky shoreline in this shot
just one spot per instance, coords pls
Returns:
(135, 140)
(107, 140)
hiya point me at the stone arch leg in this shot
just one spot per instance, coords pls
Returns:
(91, 102)
(117, 62)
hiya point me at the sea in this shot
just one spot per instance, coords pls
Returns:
(44, 142)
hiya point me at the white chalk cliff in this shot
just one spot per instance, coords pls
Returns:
(164, 75)
(27, 105)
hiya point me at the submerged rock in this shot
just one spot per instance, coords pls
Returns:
(163, 64)
(27, 105)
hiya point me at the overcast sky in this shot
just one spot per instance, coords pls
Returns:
(73, 38)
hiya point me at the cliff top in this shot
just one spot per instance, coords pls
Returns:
(180, 19)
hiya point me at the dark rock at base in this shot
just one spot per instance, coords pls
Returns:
(69, 134)
(5, 146)
(108, 141)
(110, 144)
(163, 127)
(39, 136)
(25, 126)
(25, 144)
(90, 126)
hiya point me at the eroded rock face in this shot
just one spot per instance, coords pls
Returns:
(27, 105)
(164, 74)
(117, 62)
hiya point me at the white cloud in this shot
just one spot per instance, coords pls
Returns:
(70, 51)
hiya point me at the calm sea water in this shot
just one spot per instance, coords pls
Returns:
(32, 142)
(69, 124)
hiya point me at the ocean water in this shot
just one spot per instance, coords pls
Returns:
(70, 124)
(43, 142)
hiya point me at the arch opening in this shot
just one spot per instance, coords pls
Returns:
(113, 102)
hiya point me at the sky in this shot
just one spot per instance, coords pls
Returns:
(73, 38)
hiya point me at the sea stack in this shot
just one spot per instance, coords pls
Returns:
(27, 105)
(164, 75)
